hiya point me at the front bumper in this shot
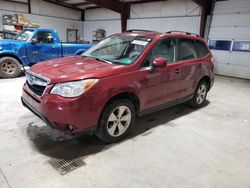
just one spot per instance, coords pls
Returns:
(36, 112)
(72, 115)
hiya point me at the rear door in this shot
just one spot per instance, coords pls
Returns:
(190, 66)
(162, 85)
(46, 47)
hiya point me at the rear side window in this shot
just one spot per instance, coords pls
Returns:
(220, 45)
(187, 49)
(201, 49)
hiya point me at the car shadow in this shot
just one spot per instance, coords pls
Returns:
(55, 144)
(22, 74)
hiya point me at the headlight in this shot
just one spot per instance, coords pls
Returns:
(1, 47)
(73, 89)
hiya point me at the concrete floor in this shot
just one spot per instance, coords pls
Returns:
(177, 147)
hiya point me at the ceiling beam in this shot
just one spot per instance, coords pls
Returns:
(125, 15)
(90, 8)
(143, 1)
(113, 5)
(201, 3)
(83, 15)
(20, 2)
(29, 7)
(132, 2)
(117, 6)
(81, 4)
(60, 3)
(206, 6)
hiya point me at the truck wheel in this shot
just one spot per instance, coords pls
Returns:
(9, 67)
(200, 95)
(116, 121)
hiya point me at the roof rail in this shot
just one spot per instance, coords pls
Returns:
(140, 30)
(187, 33)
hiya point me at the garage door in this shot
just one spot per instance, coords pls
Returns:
(229, 38)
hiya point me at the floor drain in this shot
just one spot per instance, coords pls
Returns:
(66, 166)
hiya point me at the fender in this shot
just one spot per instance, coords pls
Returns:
(22, 59)
(114, 92)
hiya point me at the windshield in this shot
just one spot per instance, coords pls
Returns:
(119, 49)
(24, 35)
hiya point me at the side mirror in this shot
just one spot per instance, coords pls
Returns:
(34, 41)
(160, 62)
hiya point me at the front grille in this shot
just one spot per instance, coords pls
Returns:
(36, 88)
(37, 84)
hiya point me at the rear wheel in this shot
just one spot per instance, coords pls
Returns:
(116, 121)
(200, 95)
(9, 67)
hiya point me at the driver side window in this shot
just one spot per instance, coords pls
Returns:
(165, 48)
(44, 37)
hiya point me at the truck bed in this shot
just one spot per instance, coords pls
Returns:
(71, 48)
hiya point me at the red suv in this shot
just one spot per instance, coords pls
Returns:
(124, 76)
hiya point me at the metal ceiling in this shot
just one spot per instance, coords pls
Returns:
(88, 4)
(75, 4)
(84, 4)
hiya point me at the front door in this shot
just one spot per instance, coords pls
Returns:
(44, 49)
(162, 85)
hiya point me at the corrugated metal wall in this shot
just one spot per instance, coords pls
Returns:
(190, 24)
(12, 6)
(58, 24)
(161, 9)
(40, 7)
(110, 26)
(231, 21)
(159, 16)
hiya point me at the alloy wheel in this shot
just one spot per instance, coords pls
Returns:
(201, 93)
(8, 67)
(118, 121)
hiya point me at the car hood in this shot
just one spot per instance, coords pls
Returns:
(7, 44)
(9, 41)
(75, 68)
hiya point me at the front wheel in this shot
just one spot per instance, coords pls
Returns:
(200, 95)
(9, 67)
(116, 121)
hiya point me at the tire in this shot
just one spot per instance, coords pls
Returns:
(9, 67)
(111, 128)
(200, 95)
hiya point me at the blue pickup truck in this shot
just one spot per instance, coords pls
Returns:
(31, 46)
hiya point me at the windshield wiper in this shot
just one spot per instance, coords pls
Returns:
(99, 59)
(104, 60)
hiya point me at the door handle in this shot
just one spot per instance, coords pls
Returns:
(177, 71)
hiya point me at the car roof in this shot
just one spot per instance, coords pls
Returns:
(155, 34)
(39, 28)
(141, 34)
